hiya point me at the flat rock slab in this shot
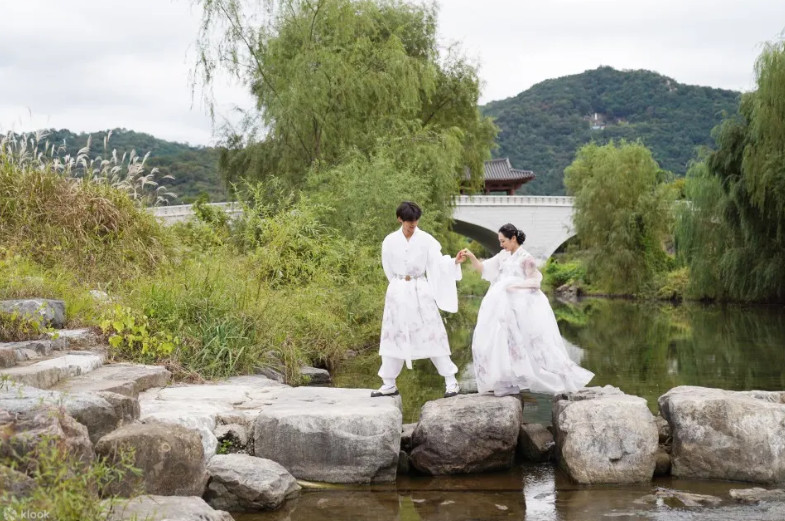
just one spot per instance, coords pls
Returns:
(11, 353)
(160, 508)
(326, 434)
(466, 433)
(101, 413)
(47, 312)
(241, 482)
(125, 379)
(733, 435)
(605, 436)
(203, 407)
(46, 373)
(331, 435)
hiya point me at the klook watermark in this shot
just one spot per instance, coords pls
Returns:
(14, 514)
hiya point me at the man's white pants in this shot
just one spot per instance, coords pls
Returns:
(391, 368)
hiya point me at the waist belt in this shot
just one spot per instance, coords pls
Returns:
(409, 277)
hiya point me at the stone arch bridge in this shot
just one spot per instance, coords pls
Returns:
(547, 220)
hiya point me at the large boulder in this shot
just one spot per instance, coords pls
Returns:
(163, 508)
(466, 433)
(24, 433)
(170, 456)
(728, 435)
(47, 312)
(15, 483)
(332, 435)
(241, 482)
(605, 436)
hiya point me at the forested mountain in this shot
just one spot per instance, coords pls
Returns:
(195, 169)
(542, 127)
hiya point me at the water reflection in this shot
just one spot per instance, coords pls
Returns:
(642, 348)
(648, 348)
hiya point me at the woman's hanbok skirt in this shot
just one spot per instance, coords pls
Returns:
(517, 342)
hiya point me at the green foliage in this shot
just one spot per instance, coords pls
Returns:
(542, 127)
(359, 196)
(130, 336)
(472, 284)
(732, 236)
(225, 447)
(622, 214)
(558, 273)
(66, 489)
(15, 327)
(345, 87)
(675, 284)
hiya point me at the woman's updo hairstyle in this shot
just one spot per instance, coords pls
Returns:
(510, 231)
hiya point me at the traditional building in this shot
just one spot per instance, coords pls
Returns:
(500, 176)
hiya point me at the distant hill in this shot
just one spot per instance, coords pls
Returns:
(195, 169)
(542, 127)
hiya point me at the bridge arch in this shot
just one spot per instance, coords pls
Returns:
(547, 220)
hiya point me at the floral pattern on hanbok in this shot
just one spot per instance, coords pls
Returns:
(516, 340)
(421, 281)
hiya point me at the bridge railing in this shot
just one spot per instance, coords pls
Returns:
(182, 212)
(514, 200)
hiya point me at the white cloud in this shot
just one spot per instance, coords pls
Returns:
(88, 66)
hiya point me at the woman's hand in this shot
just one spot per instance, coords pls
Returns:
(468, 253)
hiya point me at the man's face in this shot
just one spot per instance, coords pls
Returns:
(408, 226)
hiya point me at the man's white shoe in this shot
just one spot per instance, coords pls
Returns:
(452, 390)
(385, 390)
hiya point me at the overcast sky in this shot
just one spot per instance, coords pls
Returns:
(99, 64)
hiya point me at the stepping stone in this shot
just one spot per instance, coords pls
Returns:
(125, 379)
(332, 435)
(77, 338)
(46, 373)
(51, 312)
(11, 353)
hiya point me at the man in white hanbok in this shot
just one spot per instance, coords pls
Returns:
(422, 281)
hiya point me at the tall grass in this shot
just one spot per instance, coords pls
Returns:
(75, 213)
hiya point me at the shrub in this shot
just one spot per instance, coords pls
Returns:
(557, 273)
(73, 213)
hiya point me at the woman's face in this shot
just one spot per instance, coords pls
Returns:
(507, 244)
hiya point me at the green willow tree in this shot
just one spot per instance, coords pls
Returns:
(732, 236)
(346, 89)
(622, 214)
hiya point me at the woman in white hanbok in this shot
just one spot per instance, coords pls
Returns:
(516, 343)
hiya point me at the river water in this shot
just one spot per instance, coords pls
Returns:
(642, 348)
